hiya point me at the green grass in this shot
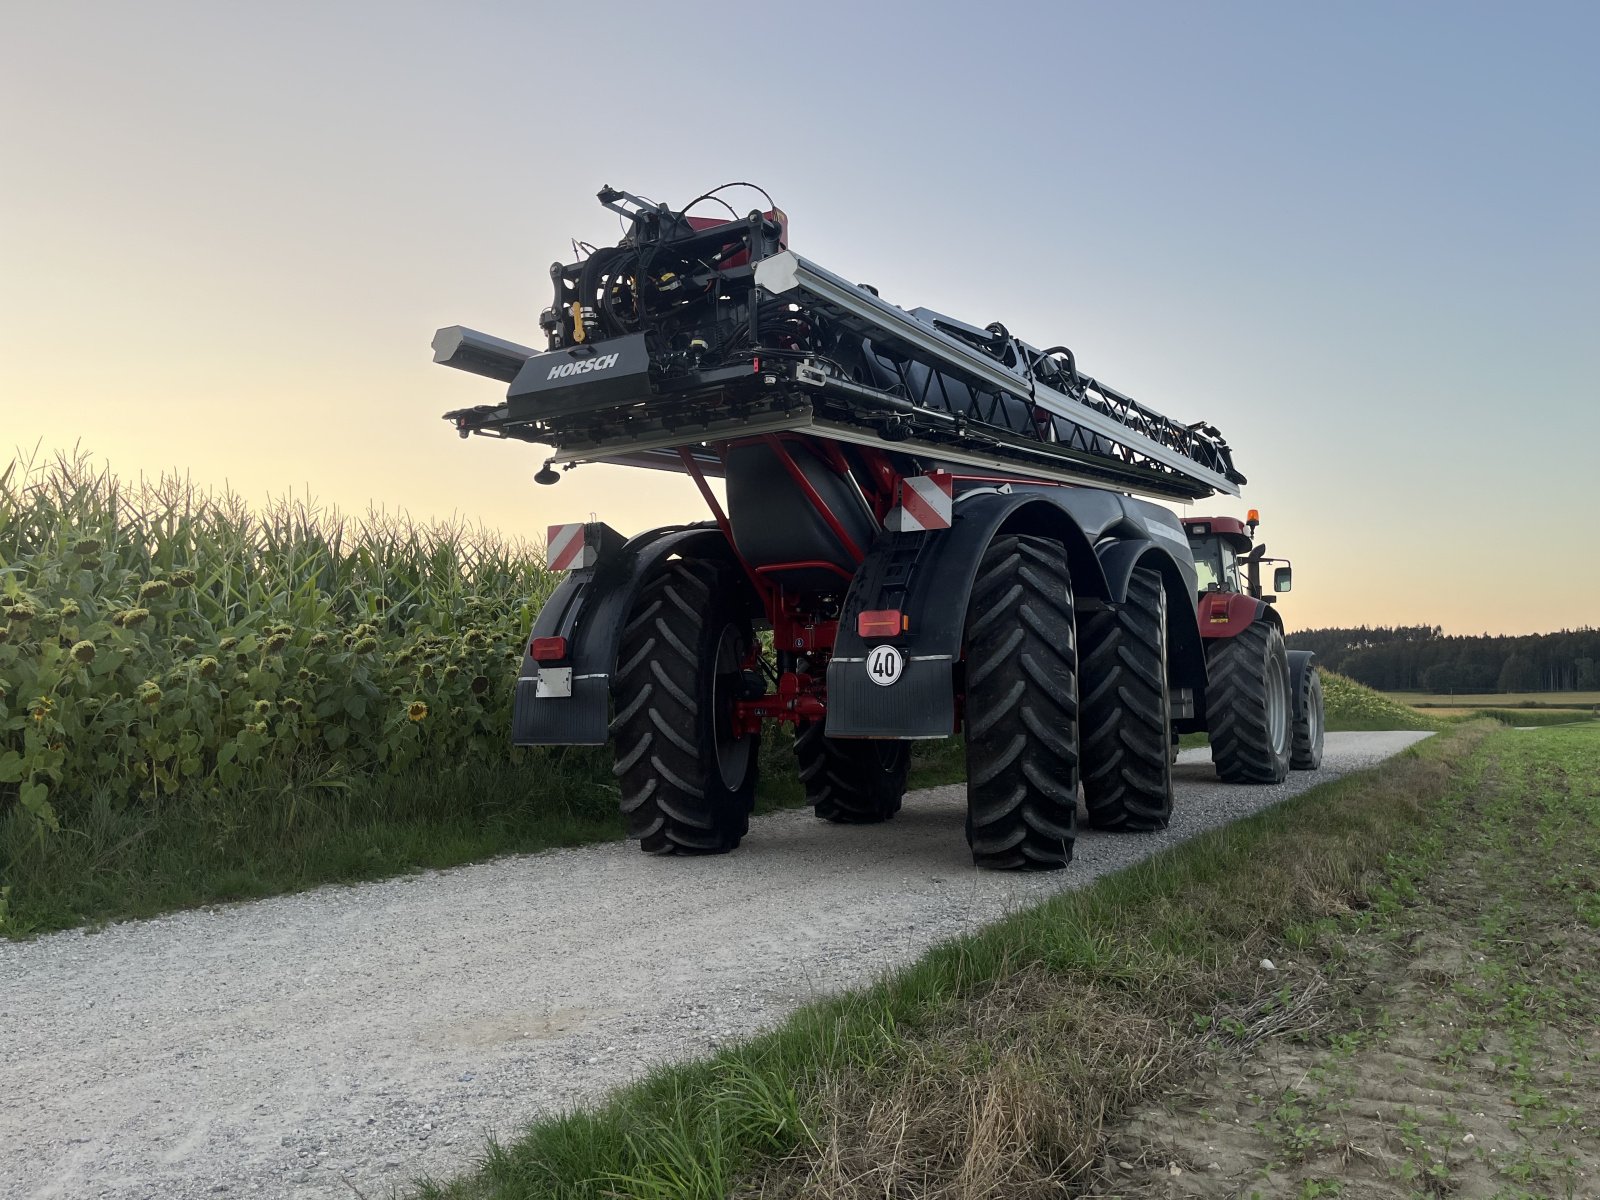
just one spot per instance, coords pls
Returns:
(1451, 1060)
(270, 837)
(1498, 699)
(284, 835)
(1044, 1022)
(1531, 717)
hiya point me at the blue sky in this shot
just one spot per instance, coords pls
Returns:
(1361, 239)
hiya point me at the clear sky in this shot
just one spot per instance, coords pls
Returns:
(1363, 240)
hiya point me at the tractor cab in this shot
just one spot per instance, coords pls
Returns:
(1227, 559)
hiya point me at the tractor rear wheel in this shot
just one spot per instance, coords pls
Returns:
(1306, 750)
(1127, 713)
(1247, 705)
(851, 781)
(1021, 707)
(688, 781)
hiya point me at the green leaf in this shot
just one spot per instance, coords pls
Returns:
(33, 798)
(11, 769)
(356, 705)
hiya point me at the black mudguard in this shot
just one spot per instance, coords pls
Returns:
(589, 609)
(929, 577)
(1300, 661)
(1186, 654)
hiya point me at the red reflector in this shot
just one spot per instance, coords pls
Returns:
(880, 622)
(548, 649)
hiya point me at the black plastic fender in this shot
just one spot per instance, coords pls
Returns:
(929, 577)
(589, 609)
(1299, 664)
(1186, 654)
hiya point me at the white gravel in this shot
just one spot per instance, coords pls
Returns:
(368, 1035)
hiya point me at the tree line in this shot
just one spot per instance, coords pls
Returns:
(1420, 658)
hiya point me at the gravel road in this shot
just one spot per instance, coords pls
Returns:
(347, 1040)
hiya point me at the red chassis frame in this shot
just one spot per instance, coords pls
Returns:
(801, 696)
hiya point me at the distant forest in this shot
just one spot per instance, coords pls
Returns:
(1420, 658)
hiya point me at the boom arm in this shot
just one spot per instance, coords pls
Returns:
(692, 331)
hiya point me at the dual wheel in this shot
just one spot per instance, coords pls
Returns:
(688, 780)
(1035, 711)
(1024, 715)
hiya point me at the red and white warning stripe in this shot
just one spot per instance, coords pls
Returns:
(566, 548)
(926, 502)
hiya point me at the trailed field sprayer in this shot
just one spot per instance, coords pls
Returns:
(930, 528)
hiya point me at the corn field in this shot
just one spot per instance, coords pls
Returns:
(158, 638)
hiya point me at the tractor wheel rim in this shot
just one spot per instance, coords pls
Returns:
(732, 751)
(1278, 709)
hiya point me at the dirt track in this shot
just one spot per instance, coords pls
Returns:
(355, 1038)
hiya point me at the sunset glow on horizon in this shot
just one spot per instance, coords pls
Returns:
(1361, 241)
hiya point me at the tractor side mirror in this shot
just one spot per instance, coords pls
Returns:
(1283, 579)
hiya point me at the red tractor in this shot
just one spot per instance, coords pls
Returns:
(925, 528)
(1262, 720)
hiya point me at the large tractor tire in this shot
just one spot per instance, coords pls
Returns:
(1126, 724)
(688, 783)
(1021, 707)
(851, 781)
(1305, 750)
(1248, 706)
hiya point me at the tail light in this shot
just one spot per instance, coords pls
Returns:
(881, 623)
(547, 649)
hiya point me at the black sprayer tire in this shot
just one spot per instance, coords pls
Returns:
(1125, 729)
(851, 781)
(1247, 705)
(1305, 752)
(687, 783)
(1021, 707)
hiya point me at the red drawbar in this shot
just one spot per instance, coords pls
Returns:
(550, 649)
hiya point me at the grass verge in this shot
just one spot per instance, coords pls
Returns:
(1439, 1041)
(1588, 700)
(288, 834)
(991, 1065)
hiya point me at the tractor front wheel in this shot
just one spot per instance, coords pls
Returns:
(1248, 706)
